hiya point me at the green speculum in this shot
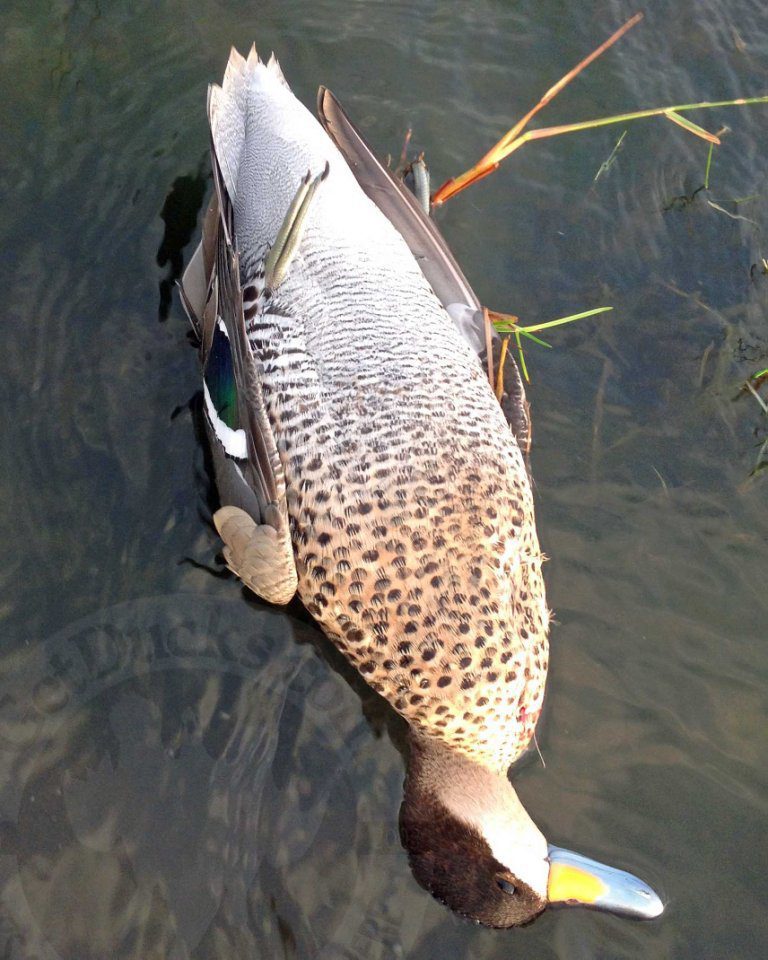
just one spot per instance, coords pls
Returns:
(220, 378)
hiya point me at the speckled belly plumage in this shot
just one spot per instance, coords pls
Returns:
(410, 507)
(408, 499)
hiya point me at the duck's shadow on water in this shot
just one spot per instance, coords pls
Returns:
(180, 214)
(181, 772)
(381, 717)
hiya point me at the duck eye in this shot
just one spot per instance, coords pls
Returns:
(506, 886)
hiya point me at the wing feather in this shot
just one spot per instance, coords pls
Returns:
(430, 249)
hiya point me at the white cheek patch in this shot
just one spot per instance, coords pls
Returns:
(488, 803)
(233, 441)
(523, 852)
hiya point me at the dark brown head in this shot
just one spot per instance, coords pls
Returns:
(469, 840)
(472, 845)
(454, 862)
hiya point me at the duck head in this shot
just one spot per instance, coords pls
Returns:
(472, 845)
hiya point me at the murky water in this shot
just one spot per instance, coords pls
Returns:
(186, 773)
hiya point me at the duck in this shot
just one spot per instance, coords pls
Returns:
(364, 464)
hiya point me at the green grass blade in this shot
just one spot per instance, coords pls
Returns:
(691, 127)
(607, 164)
(522, 357)
(709, 164)
(543, 132)
(506, 328)
(541, 343)
(535, 327)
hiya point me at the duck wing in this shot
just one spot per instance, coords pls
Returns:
(430, 250)
(253, 519)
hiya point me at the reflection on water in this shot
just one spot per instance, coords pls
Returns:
(179, 214)
(171, 770)
(184, 776)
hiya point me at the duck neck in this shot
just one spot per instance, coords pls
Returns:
(440, 779)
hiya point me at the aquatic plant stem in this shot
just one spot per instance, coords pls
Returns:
(709, 164)
(490, 161)
(500, 372)
(515, 137)
(506, 323)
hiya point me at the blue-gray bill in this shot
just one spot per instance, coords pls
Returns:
(575, 879)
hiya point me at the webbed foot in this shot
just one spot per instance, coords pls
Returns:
(258, 555)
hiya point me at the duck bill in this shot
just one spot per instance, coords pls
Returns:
(577, 880)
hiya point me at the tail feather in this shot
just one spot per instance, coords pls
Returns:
(274, 67)
(228, 105)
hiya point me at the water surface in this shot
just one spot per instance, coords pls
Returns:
(189, 774)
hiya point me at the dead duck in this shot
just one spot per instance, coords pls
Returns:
(363, 461)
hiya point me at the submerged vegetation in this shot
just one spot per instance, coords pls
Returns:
(752, 386)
